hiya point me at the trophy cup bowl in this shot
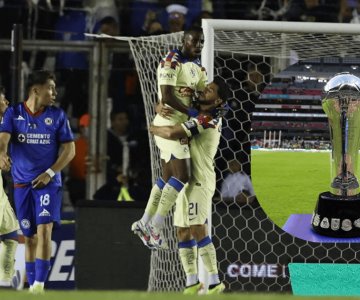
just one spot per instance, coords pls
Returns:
(337, 212)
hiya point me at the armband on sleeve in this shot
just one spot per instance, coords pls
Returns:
(191, 127)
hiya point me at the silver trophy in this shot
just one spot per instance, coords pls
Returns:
(337, 212)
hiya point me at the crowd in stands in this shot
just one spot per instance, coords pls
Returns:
(297, 143)
(68, 19)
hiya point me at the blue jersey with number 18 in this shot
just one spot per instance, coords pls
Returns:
(35, 140)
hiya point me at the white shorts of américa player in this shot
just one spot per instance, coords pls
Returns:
(192, 205)
(169, 149)
(8, 221)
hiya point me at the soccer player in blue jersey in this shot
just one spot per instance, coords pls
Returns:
(179, 75)
(34, 131)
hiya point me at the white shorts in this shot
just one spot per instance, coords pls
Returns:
(8, 221)
(178, 149)
(193, 205)
(169, 149)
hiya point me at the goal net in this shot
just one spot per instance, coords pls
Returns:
(253, 252)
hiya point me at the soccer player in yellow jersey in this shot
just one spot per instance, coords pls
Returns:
(180, 75)
(8, 227)
(194, 201)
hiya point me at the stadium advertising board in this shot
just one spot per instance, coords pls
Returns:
(252, 270)
(61, 275)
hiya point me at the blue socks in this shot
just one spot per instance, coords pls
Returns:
(42, 268)
(30, 272)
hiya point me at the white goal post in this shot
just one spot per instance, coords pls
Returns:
(213, 42)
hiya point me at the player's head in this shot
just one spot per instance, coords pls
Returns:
(216, 92)
(41, 85)
(215, 96)
(4, 103)
(193, 42)
(223, 89)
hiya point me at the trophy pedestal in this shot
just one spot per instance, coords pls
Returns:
(337, 216)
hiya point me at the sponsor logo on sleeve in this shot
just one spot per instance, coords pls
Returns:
(166, 76)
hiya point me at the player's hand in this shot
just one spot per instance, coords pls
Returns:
(164, 111)
(152, 129)
(5, 162)
(42, 180)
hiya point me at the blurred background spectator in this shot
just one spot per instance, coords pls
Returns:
(313, 11)
(176, 17)
(119, 144)
(237, 185)
(128, 156)
(103, 16)
(136, 14)
(151, 25)
(76, 182)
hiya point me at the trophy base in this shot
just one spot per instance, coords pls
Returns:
(337, 216)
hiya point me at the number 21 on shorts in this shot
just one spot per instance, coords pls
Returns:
(193, 209)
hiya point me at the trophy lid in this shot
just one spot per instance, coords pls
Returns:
(342, 83)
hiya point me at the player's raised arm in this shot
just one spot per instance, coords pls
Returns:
(168, 97)
(168, 132)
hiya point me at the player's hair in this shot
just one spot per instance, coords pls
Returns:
(223, 89)
(39, 77)
(2, 90)
(193, 29)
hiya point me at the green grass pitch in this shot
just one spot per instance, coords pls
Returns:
(132, 295)
(289, 182)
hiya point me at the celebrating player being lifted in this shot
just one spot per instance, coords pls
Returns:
(8, 227)
(194, 201)
(37, 129)
(180, 75)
